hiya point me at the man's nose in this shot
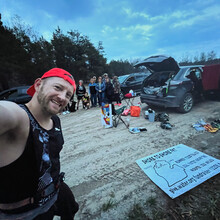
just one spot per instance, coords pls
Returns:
(62, 95)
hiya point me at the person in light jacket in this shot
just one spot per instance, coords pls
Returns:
(100, 88)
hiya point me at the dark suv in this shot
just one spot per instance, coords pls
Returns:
(132, 81)
(17, 94)
(171, 85)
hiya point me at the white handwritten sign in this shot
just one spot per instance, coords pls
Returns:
(178, 169)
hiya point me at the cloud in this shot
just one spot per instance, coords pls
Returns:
(133, 14)
(140, 29)
(179, 14)
(127, 29)
(107, 29)
(211, 12)
(46, 14)
(132, 32)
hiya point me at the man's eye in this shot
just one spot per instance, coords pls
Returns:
(57, 87)
(68, 96)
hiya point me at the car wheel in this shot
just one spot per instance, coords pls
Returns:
(187, 103)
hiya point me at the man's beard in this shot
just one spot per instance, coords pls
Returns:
(44, 101)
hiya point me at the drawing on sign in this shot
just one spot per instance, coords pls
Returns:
(106, 116)
(178, 169)
(167, 171)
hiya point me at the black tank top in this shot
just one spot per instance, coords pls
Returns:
(18, 180)
(23, 177)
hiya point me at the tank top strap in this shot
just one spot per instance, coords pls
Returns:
(32, 119)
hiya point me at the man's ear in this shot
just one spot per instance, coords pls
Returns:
(37, 84)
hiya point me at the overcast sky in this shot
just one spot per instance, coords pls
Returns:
(129, 29)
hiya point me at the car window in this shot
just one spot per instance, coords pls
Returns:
(2, 96)
(140, 78)
(9, 94)
(195, 71)
(181, 74)
(13, 93)
(131, 79)
(22, 92)
(121, 79)
(187, 72)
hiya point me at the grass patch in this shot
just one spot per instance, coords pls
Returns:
(151, 201)
(201, 203)
(108, 205)
(159, 214)
(137, 213)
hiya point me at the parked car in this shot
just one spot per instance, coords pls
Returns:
(132, 81)
(171, 85)
(17, 94)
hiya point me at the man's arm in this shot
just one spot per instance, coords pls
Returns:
(96, 87)
(11, 117)
(104, 87)
(84, 89)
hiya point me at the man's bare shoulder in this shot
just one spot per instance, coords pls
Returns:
(12, 108)
(12, 116)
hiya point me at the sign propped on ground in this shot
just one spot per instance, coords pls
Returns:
(178, 169)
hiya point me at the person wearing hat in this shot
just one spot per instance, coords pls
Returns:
(31, 139)
(94, 78)
(104, 77)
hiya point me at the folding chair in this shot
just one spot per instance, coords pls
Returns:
(116, 116)
(129, 101)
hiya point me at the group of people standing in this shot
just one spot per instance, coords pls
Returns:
(105, 91)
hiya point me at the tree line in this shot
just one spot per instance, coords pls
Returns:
(208, 58)
(25, 56)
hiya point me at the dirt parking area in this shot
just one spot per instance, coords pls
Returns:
(101, 170)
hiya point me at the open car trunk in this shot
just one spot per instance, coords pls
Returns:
(163, 69)
(159, 63)
(158, 83)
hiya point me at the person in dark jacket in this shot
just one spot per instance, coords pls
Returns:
(80, 91)
(93, 92)
(198, 89)
(117, 90)
(109, 91)
(100, 88)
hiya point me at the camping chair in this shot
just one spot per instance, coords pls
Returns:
(116, 116)
(129, 101)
